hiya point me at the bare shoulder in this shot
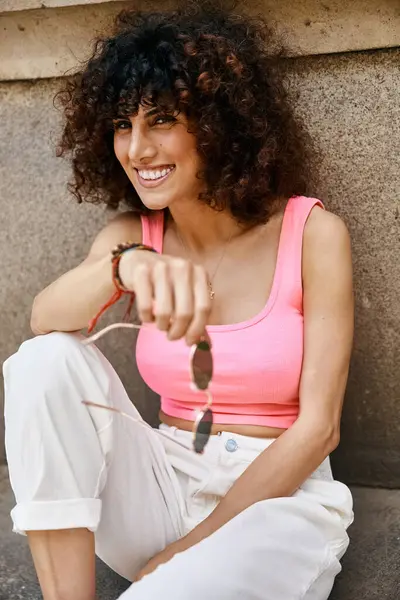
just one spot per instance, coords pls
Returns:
(126, 223)
(324, 230)
(326, 242)
(122, 228)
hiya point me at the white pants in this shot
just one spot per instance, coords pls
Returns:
(140, 489)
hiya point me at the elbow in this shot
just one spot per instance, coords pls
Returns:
(35, 327)
(329, 435)
(333, 439)
(35, 323)
(326, 440)
(326, 434)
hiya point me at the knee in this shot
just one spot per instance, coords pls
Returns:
(45, 347)
(44, 367)
(40, 356)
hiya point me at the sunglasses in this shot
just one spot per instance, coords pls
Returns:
(201, 373)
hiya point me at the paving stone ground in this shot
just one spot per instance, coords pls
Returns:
(371, 567)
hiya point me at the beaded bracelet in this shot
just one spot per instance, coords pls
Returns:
(116, 253)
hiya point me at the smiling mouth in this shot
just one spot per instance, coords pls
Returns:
(151, 177)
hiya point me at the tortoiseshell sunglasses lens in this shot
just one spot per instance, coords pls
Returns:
(201, 369)
(202, 430)
(201, 365)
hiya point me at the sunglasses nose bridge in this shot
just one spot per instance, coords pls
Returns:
(209, 397)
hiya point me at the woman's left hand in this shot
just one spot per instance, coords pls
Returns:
(162, 557)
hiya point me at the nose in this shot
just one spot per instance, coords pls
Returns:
(140, 146)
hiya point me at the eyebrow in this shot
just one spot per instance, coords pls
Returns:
(147, 114)
(152, 111)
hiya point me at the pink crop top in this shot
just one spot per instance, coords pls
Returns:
(257, 363)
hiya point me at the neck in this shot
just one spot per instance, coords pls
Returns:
(200, 227)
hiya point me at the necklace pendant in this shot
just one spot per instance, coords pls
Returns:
(210, 290)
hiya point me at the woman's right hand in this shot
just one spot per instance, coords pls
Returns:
(170, 291)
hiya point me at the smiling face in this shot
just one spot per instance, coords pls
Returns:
(159, 156)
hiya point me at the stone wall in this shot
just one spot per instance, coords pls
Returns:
(46, 38)
(350, 104)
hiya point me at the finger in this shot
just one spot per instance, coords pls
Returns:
(202, 308)
(181, 276)
(143, 292)
(206, 337)
(163, 305)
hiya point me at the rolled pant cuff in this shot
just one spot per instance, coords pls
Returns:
(60, 514)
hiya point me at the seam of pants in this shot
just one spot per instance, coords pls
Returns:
(103, 467)
(340, 545)
(321, 568)
(97, 489)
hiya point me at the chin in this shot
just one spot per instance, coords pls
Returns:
(154, 203)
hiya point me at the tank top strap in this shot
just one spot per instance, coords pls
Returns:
(290, 253)
(153, 230)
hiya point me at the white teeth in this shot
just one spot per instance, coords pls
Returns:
(155, 174)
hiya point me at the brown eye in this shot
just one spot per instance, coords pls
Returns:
(121, 125)
(162, 119)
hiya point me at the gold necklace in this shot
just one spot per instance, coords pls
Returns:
(210, 279)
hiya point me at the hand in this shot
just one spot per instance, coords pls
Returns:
(160, 558)
(171, 291)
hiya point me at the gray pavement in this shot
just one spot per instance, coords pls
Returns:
(371, 568)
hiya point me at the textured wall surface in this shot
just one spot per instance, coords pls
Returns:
(49, 41)
(19, 5)
(350, 104)
(43, 231)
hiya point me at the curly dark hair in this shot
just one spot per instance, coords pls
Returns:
(224, 70)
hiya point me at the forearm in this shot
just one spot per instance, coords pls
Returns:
(72, 300)
(277, 472)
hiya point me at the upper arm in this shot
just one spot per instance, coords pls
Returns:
(328, 318)
(123, 228)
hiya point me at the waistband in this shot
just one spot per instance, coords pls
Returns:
(242, 447)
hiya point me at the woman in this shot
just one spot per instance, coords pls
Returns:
(183, 116)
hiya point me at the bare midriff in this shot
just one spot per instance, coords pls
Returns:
(257, 431)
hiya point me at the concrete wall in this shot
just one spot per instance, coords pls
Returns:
(49, 41)
(350, 104)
